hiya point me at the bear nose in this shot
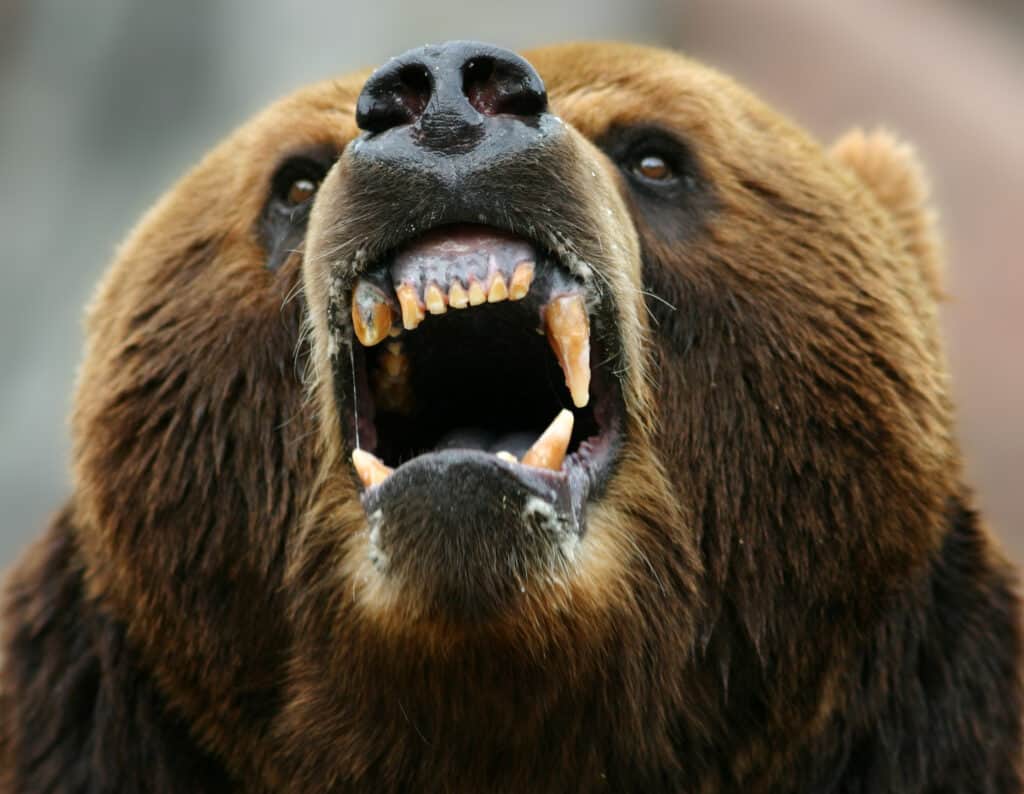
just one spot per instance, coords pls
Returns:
(449, 93)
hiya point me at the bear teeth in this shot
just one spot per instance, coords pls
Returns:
(522, 277)
(458, 298)
(547, 452)
(498, 291)
(565, 317)
(371, 469)
(568, 332)
(391, 381)
(434, 299)
(412, 308)
(477, 296)
(371, 313)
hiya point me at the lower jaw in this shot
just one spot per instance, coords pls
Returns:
(465, 533)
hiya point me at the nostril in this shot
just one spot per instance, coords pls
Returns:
(477, 85)
(497, 87)
(446, 94)
(415, 87)
(394, 96)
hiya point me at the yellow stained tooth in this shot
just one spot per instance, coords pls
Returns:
(394, 365)
(392, 394)
(549, 450)
(568, 331)
(522, 277)
(394, 361)
(434, 299)
(499, 290)
(412, 309)
(371, 313)
(392, 388)
(371, 469)
(457, 297)
(476, 293)
(508, 457)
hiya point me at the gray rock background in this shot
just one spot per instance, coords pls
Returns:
(104, 102)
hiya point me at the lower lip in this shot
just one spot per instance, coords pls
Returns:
(567, 490)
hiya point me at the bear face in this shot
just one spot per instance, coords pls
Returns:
(731, 506)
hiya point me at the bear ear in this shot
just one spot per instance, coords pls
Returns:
(890, 168)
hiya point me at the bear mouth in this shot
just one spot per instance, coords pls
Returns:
(475, 356)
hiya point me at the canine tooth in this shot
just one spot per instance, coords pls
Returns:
(412, 309)
(508, 457)
(568, 330)
(499, 290)
(457, 297)
(371, 469)
(522, 277)
(476, 293)
(434, 299)
(549, 450)
(371, 313)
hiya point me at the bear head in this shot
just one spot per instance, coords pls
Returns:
(535, 424)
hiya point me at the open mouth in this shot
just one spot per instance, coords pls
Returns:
(474, 345)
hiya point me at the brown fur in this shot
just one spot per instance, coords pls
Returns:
(784, 587)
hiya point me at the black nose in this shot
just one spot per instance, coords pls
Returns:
(463, 128)
(449, 91)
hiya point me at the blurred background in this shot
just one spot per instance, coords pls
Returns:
(104, 102)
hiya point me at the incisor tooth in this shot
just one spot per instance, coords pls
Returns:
(476, 293)
(457, 297)
(412, 309)
(499, 290)
(522, 277)
(549, 450)
(371, 469)
(568, 330)
(434, 299)
(371, 313)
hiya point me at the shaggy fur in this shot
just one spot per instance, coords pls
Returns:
(784, 586)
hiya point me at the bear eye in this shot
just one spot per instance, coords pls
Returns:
(657, 164)
(301, 191)
(290, 195)
(653, 168)
(296, 182)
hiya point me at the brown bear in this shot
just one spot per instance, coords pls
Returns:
(499, 424)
